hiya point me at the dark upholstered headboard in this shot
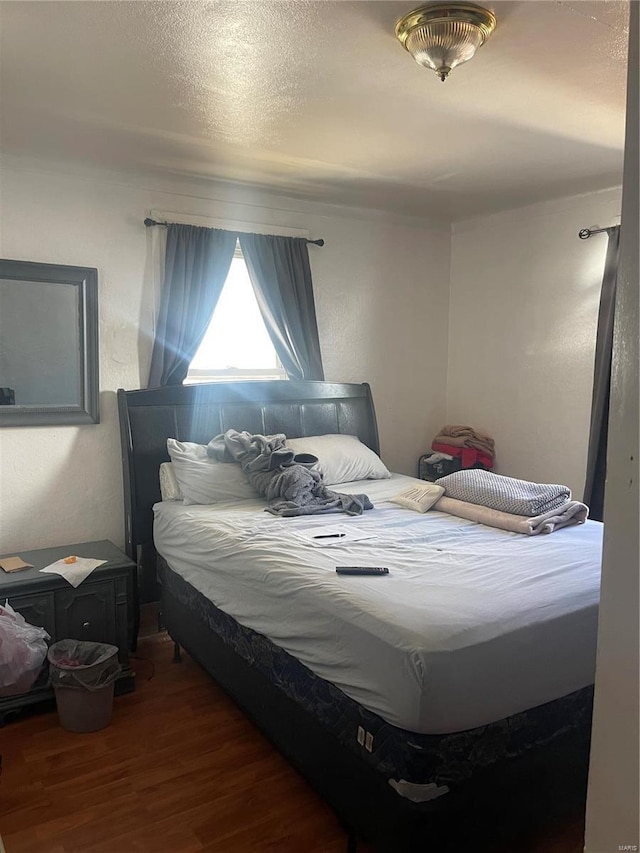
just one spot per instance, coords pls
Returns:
(198, 412)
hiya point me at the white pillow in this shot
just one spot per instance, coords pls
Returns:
(341, 458)
(169, 488)
(206, 481)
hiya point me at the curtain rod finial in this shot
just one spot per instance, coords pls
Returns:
(584, 234)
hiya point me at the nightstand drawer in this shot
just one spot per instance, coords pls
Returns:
(87, 613)
(37, 608)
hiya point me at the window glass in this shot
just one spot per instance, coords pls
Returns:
(236, 345)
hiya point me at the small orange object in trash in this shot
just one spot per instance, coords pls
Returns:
(70, 560)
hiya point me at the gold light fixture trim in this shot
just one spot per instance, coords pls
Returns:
(442, 36)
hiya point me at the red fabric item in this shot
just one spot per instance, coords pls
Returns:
(468, 455)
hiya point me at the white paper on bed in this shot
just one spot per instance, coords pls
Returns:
(473, 624)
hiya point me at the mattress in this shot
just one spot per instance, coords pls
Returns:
(472, 625)
(421, 767)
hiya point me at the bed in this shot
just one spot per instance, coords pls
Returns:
(457, 687)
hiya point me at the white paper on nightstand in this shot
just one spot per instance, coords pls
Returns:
(76, 572)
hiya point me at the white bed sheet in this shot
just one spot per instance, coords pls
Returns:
(471, 625)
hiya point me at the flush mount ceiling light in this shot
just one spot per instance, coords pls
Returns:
(445, 35)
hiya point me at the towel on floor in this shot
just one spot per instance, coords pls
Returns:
(506, 494)
(571, 512)
(465, 436)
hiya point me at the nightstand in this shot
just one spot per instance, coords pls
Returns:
(100, 609)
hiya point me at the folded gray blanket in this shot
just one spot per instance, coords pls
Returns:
(287, 481)
(505, 494)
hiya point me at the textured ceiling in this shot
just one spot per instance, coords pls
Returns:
(317, 99)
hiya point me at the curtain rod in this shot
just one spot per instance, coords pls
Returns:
(585, 233)
(150, 222)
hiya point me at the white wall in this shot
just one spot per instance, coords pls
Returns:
(523, 311)
(381, 287)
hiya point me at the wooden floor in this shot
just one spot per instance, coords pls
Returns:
(178, 770)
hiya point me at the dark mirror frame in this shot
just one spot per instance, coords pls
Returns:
(85, 279)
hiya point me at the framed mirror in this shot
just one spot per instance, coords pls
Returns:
(48, 344)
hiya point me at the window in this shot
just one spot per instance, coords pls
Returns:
(236, 345)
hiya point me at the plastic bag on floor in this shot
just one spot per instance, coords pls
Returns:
(23, 649)
(82, 664)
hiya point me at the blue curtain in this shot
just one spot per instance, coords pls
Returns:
(197, 263)
(281, 277)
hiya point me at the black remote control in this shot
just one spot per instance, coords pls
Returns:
(361, 570)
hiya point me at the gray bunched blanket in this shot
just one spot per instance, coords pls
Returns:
(289, 483)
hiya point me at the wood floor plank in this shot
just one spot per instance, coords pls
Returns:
(180, 769)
